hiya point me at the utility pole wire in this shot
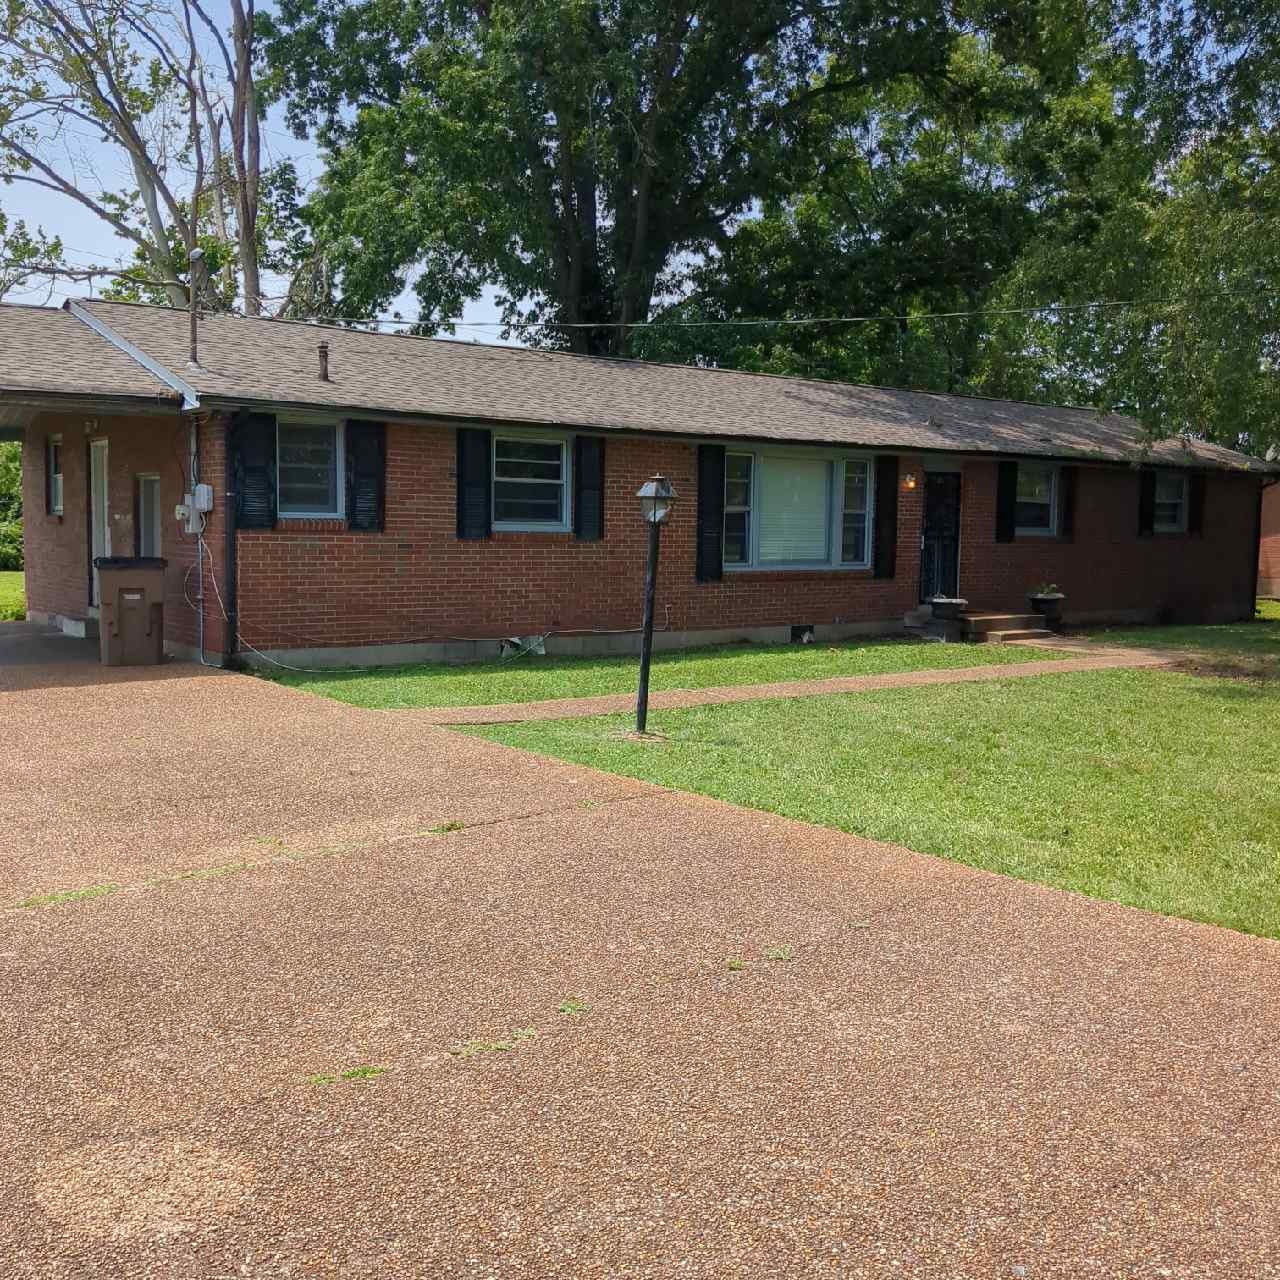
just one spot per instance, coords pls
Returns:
(1056, 307)
(341, 321)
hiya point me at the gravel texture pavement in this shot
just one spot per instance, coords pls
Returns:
(623, 1031)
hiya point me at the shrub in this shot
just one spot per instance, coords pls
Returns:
(10, 544)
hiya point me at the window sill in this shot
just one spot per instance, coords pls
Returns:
(797, 568)
(532, 528)
(311, 524)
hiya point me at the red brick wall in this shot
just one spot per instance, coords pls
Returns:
(57, 547)
(1269, 561)
(313, 583)
(1107, 567)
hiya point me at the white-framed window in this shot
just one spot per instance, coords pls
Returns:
(738, 469)
(53, 462)
(148, 505)
(1037, 499)
(855, 510)
(310, 469)
(797, 510)
(1171, 502)
(531, 483)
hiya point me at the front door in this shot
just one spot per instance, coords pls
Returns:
(940, 541)
(99, 520)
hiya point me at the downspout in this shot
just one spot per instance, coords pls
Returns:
(230, 603)
(194, 479)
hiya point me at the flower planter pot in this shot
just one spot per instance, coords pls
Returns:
(1049, 607)
(947, 609)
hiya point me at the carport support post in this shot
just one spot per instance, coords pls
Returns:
(646, 633)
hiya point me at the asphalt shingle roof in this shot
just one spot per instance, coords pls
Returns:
(44, 350)
(247, 360)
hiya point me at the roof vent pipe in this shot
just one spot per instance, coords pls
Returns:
(323, 349)
(193, 292)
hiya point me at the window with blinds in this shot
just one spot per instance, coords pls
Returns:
(797, 510)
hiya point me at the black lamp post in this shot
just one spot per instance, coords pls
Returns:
(656, 498)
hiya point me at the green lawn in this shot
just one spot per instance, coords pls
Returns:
(531, 679)
(1149, 788)
(13, 599)
(1241, 641)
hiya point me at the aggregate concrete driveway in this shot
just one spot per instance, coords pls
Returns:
(953, 1075)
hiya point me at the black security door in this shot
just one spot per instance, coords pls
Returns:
(940, 543)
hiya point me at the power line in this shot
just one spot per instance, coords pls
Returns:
(1056, 308)
(1053, 307)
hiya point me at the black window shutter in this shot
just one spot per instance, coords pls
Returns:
(1007, 502)
(886, 545)
(48, 475)
(1146, 502)
(588, 488)
(1195, 502)
(475, 482)
(366, 446)
(1067, 502)
(710, 512)
(253, 452)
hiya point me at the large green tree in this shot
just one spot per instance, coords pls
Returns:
(575, 154)
(928, 195)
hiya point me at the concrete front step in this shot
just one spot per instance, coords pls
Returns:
(1002, 621)
(1020, 633)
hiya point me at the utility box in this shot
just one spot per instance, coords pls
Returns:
(131, 610)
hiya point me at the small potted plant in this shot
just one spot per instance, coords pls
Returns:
(947, 608)
(1046, 600)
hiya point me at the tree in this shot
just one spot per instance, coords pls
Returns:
(25, 254)
(1198, 251)
(573, 154)
(927, 195)
(165, 88)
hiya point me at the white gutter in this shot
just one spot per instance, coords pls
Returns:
(190, 396)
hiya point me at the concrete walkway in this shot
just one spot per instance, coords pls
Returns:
(1090, 659)
(910, 1069)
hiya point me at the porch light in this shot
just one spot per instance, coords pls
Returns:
(909, 480)
(657, 496)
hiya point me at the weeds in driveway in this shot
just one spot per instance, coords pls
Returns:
(787, 952)
(352, 1073)
(64, 896)
(363, 1073)
(735, 964)
(212, 873)
(571, 1006)
(445, 827)
(477, 1048)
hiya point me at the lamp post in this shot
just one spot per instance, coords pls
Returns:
(656, 498)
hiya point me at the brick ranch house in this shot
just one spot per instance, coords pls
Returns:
(380, 498)
(1269, 554)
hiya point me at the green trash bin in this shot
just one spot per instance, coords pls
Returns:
(130, 610)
